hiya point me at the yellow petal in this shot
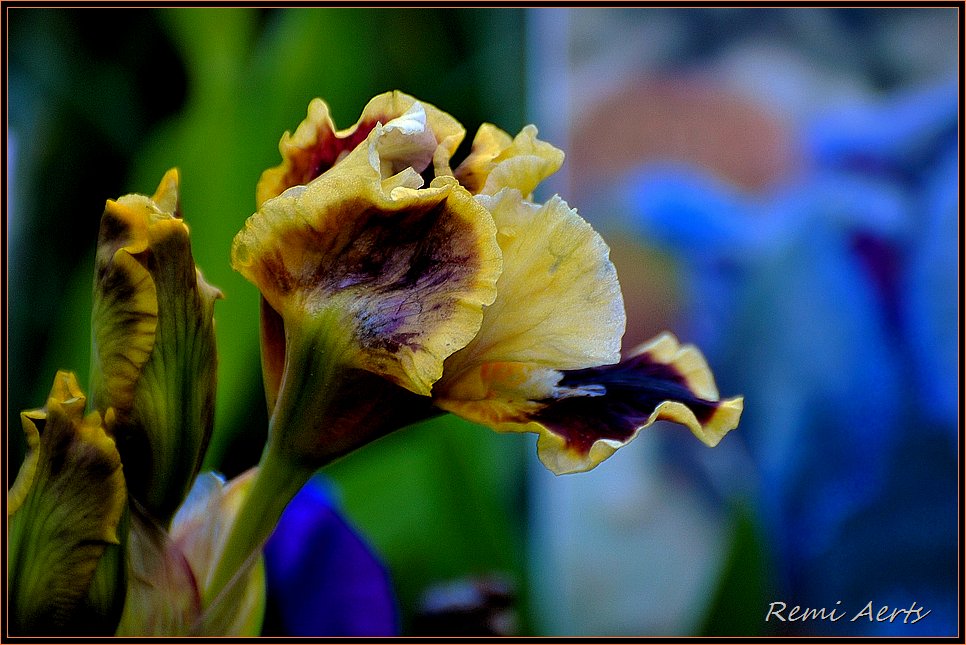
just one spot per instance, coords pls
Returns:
(404, 272)
(502, 396)
(496, 161)
(167, 195)
(583, 416)
(64, 510)
(317, 146)
(125, 308)
(558, 301)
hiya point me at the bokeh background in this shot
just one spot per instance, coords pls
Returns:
(778, 186)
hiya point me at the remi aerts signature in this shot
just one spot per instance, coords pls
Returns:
(780, 611)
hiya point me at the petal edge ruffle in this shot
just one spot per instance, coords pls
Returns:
(583, 416)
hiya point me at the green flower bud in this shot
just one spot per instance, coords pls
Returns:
(58, 529)
(153, 355)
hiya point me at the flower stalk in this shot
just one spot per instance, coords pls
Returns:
(277, 482)
(314, 362)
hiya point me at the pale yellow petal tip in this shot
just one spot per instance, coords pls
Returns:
(725, 419)
(166, 196)
(66, 388)
(687, 361)
(306, 134)
(558, 458)
(66, 396)
(497, 161)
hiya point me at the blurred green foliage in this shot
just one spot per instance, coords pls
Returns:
(744, 586)
(103, 101)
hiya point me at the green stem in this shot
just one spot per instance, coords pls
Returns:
(276, 483)
(314, 351)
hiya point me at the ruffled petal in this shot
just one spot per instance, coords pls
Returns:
(317, 146)
(558, 303)
(496, 161)
(58, 529)
(403, 273)
(583, 416)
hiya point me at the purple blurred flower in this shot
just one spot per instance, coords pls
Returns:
(322, 579)
(831, 303)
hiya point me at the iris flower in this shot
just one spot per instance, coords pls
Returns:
(394, 286)
(500, 309)
(321, 577)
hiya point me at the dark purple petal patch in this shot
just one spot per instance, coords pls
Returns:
(620, 400)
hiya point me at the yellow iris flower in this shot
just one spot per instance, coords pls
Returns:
(502, 310)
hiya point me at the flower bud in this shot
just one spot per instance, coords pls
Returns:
(58, 529)
(153, 354)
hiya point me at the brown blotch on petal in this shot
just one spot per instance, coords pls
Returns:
(403, 272)
(398, 276)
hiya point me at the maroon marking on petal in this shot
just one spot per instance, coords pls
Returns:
(364, 408)
(307, 164)
(335, 146)
(633, 389)
(114, 233)
(272, 338)
(113, 228)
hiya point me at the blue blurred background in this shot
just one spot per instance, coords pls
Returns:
(778, 186)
